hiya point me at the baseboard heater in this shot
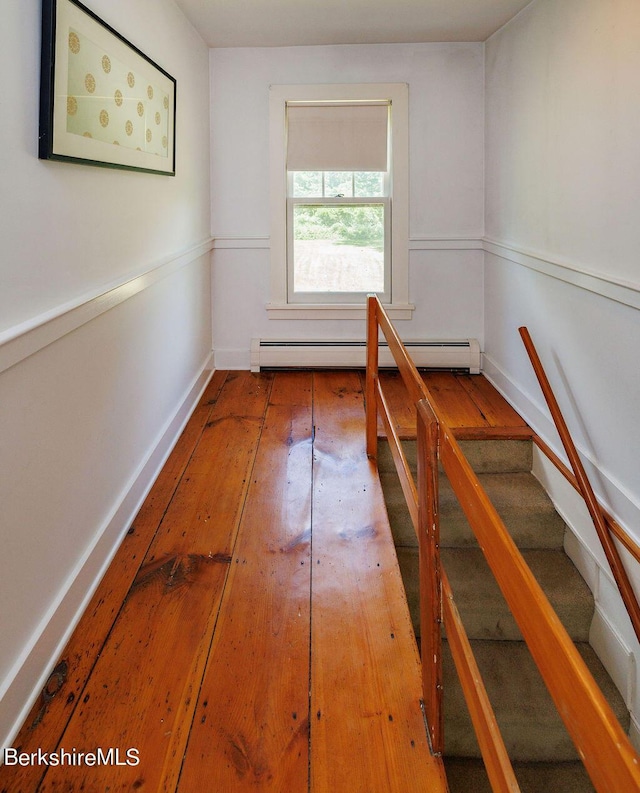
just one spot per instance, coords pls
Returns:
(273, 354)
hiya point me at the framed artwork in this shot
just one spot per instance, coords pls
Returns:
(102, 101)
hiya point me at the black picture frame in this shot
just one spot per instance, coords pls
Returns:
(103, 102)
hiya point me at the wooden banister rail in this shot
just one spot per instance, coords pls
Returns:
(436, 598)
(614, 527)
(608, 756)
(437, 605)
(602, 745)
(595, 511)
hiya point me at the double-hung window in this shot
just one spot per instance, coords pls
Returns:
(338, 199)
(338, 208)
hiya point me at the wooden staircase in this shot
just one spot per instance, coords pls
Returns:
(543, 754)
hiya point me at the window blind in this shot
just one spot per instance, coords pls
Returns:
(337, 137)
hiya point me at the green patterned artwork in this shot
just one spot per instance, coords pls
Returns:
(103, 101)
(109, 102)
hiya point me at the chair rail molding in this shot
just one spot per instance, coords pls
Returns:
(25, 339)
(622, 291)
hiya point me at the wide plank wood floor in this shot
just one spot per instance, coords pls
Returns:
(252, 631)
(469, 404)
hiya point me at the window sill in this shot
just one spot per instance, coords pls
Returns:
(333, 311)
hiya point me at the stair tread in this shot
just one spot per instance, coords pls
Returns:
(478, 597)
(485, 456)
(536, 738)
(520, 500)
(468, 775)
(528, 719)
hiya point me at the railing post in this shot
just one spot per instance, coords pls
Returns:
(371, 377)
(430, 577)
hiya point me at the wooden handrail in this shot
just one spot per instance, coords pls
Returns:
(437, 604)
(604, 748)
(412, 380)
(614, 527)
(608, 756)
(595, 511)
(423, 510)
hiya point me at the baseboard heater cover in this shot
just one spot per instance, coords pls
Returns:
(280, 354)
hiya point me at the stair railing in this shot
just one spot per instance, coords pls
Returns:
(584, 487)
(605, 750)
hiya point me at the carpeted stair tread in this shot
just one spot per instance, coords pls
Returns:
(484, 611)
(485, 456)
(530, 724)
(521, 502)
(518, 497)
(465, 775)
(538, 743)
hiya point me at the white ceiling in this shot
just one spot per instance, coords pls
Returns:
(277, 23)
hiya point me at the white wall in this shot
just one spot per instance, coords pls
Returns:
(562, 208)
(446, 198)
(563, 198)
(105, 336)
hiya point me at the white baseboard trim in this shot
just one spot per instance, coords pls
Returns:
(33, 666)
(25, 339)
(233, 359)
(537, 419)
(615, 655)
(634, 733)
(611, 634)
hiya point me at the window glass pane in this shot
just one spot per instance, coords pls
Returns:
(338, 248)
(307, 183)
(368, 183)
(338, 183)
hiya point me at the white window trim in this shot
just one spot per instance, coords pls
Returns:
(397, 93)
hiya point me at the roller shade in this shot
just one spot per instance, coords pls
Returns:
(337, 137)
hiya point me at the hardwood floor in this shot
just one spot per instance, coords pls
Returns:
(469, 404)
(252, 630)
